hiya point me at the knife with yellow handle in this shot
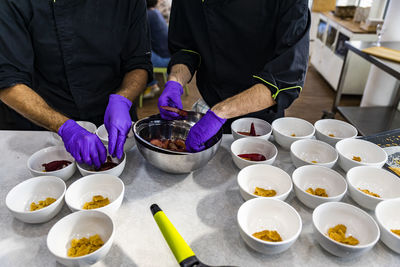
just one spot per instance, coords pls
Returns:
(182, 252)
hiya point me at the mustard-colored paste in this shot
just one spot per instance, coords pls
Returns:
(84, 246)
(396, 231)
(267, 235)
(98, 202)
(338, 233)
(355, 158)
(43, 203)
(317, 192)
(264, 192)
(366, 191)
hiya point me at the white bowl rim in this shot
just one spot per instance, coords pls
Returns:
(29, 163)
(247, 138)
(116, 178)
(380, 221)
(294, 137)
(345, 245)
(291, 239)
(42, 209)
(256, 119)
(343, 123)
(327, 169)
(349, 181)
(106, 139)
(318, 142)
(268, 166)
(101, 172)
(90, 254)
(363, 163)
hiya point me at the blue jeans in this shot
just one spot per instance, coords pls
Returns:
(158, 62)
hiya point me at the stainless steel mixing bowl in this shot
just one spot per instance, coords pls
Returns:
(171, 161)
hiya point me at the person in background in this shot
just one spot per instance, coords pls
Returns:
(250, 56)
(160, 55)
(62, 61)
(164, 6)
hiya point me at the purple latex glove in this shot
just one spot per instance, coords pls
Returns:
(203, 130)
(118, 122)
(170, 97)
(84, 146)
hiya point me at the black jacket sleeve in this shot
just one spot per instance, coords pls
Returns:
(16, 52)
(181, 46)
(137, 50)
(284, 75)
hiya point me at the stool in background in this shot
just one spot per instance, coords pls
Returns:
(162, 71)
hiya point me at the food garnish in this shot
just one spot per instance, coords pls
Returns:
(97, 202)
(338, 233)
(267, 235)
(252, 131)
(174, 145)
(264, 192)
(84, 246)
(55, 165)
(321, 192)
(253, 157)
(355, 158)
(366, 191)
(42, 203)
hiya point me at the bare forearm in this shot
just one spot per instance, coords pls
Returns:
(133, 84)
(256, 98)
(29, 104)
(180, 73)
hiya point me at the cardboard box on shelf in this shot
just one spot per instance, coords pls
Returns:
(323, 5)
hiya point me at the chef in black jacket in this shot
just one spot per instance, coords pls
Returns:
(250, 56)
(66, 60)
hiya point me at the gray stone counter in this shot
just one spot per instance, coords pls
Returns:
(202, 206)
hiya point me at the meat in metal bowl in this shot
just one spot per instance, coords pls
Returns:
(171, 161)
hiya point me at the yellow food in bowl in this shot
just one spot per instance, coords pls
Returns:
(366, 191)
(42, 203)
(396, 231)
(84, 246)
(355, 158)
(293, 135)
(267, 235)
(331, 135)
(321, 192)
(314, 161)
(264, 192)
(338, 233)
(98, 202)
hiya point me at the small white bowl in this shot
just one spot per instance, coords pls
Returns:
(304, 152)
(83, 190)
(78, 225)
(263, 128)
(50, 154)
(340, 129)
(19, 198)
(371, 154)
(253, 145)
(388, 216)
(103, 135)
(283, 128)
(260, 214)
(266, 177)
(359, 224)
(116, 171)
(318, 176)
(378, 181)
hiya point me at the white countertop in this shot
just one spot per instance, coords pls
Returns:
(202, 205)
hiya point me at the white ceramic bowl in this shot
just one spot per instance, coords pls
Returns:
(103, 135)
(378, 181)
(263, 128)
(87, 125)
(304, 152)
(283, 128)
(47, 155)
(339, 129)
(19, 198)
(388, 216)
(266, 177)
(260, 214)
(83, 190)
(116, 171)
(359, 224)
(318, 176)
(253, 145)
(371, 154)
(78, 225)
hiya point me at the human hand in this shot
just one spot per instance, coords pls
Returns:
(84, 146)
(203, 130)
(118, 122)
(170, 97)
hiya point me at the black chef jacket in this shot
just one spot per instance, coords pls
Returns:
(234, 44)
(73, 53)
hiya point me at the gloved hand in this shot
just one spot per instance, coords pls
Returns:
(118, 122)
(170, 97)
(84, 146)
(203, 130)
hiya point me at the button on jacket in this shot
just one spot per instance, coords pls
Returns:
(73, 53)
(234, 44)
